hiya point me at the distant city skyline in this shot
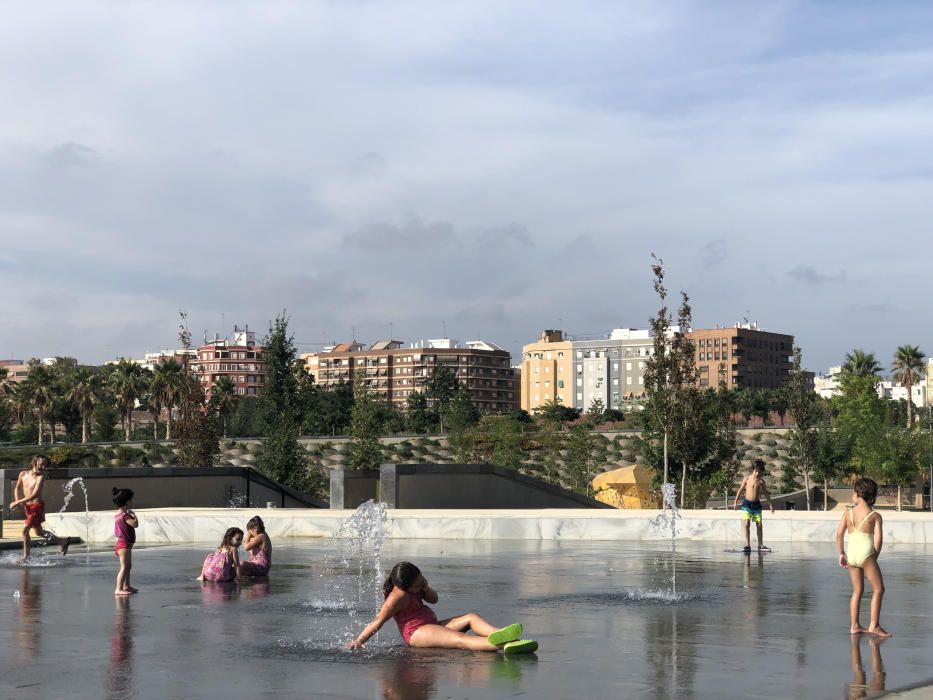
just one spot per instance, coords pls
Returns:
(501, 169)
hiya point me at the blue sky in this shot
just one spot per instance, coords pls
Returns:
(495, 167)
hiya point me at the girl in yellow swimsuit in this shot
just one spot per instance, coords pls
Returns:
(864, 526)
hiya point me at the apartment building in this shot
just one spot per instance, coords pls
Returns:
(18, 371)
(742, 356)
(547, 371)
(395, 372)
(610, 369)
(239, 358)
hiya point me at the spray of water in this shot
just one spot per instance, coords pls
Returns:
(69, 494)
(665, 521)
(362, 536)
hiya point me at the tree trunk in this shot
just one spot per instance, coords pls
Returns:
(52, 429)
(155, 428)
(225, 427)
(683, 484)
(84, 429)
(128, 424)
(41, 428)
(168, 426)
(665, 458)
(899, 496)
(825, 494)
(806, 485)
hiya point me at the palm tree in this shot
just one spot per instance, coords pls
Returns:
(908, 370)
(861, 364)
(128, 381)
(166, 383)
(85, 393)
(40, 388)
(224, 398)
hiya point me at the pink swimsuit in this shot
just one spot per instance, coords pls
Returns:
(416, 615)
(218, 566)
(259, 558)
(126, 535)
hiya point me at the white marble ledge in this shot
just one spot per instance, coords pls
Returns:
(181, 525)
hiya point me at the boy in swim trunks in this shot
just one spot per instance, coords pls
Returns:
(29, 484)
(753, 486)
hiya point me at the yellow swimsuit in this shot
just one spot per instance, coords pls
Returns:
(861, 544)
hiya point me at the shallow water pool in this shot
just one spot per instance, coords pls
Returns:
(772, 626)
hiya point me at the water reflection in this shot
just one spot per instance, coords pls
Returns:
(29, 614)
(120, 673)
(218, 592)
(860, 687)
(413, 674)
(405, 678)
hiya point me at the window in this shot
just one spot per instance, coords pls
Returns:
(641, 380)
(560, 354)
(702, 356)
(579, 396)
(628, 366)
(560, 383)
(615, 365)
(547, 355)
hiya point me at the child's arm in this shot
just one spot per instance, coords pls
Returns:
(735, 503)
(36, 489)
(16, 491)
(840, 541)
(393, 605)
(429, 594)
(879, 536)
(251, 542)
(235, 553)
(131, 519)
(764, 490)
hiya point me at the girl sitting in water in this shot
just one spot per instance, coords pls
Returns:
(259, 547)
(223, 563)
(405, 592)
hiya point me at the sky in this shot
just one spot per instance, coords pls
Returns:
(484, 169)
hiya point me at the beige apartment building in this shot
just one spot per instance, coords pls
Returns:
(745, 355)
(395, 372)
(547, 371)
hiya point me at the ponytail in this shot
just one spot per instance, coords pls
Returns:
(403, 576)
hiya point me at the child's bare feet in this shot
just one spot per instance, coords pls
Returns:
(131, 589)
(65, 545)
(878, 631)
(857, 630)
(119, 592)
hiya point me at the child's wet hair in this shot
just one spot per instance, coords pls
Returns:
(229, 535)
(255, 523)
(866, 489)
(40, 459)
(404, 574)
(759, 464)
(122, 496)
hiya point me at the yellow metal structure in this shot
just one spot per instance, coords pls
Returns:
(626, 487)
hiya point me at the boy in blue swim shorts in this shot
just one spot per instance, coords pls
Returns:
(753, 487)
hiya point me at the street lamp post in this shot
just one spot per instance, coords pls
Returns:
(930, 482)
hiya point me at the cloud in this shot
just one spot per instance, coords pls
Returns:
(713, 253)
(806, 274)
(412, 234)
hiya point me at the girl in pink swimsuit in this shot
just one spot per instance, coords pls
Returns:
(406, 591)
(259, 547)
(125, 523)
(223, 563)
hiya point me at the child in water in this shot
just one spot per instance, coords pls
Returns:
(125, 523)
(259, 547)
(405, 591)
(753, 486)
(223, 564)
(863, 523)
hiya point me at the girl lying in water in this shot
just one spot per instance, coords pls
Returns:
(405, 592)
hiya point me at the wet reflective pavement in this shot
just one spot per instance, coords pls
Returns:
(772, 626)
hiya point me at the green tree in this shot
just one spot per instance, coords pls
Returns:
(909, 370)
(85, 392)
(861, 364)
(419, 418)
(282, 457)
(670, 370)
(224, 399)
(579, 460)
(596, 410)
(104, 419)
(830, 456)
(555, 414)
(195, 432)
(801, 402)
(365, 450)
(165, 385)
(440, 389)
(900, 458)
(462, 416)
(128, 382)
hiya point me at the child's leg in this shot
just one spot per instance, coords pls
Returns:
(129, 570)
(50, 537)
(873, 572)
(26, 542)
(748, 531)
(440, 637)
(858, 587)
(758, 531)
(470, 621)
(121, 575)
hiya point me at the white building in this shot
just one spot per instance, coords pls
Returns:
(828, 385)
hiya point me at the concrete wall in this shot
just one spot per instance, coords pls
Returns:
(350, 488)
(213, 487)
(471, 486)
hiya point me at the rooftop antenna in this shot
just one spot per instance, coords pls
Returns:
(354, 333)
(223, 324)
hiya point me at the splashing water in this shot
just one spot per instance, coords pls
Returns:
(664, 521)
(68, 488)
